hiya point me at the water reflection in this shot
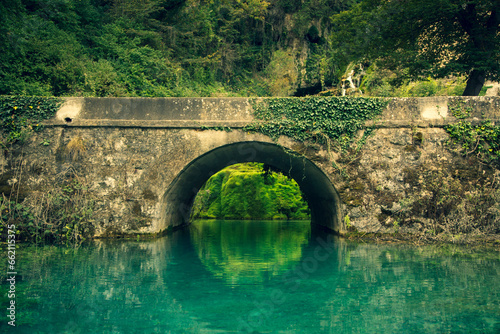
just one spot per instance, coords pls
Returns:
(249, 252)
(165, 286)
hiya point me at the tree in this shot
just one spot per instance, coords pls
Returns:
(434, 38)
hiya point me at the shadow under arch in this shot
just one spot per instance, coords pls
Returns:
(319, 192)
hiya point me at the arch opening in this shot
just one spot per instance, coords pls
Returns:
(320, 194)
(250, 191)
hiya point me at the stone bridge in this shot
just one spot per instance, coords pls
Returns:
(144, 159)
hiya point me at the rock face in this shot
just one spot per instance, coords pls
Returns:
(494, 88)
(143, 161)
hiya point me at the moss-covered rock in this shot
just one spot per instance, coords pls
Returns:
(248, 191)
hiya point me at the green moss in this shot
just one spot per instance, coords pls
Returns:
(411, 177)
(386, 198)
(149, 195)
(352, 192)
(351, 198)
(418, 138)
(357, 186)
(410, 148)
(249, 191)
(136, 208)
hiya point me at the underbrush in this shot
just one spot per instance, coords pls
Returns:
(61, 215)
(447, 204)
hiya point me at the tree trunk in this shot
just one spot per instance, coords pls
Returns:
(474, 83)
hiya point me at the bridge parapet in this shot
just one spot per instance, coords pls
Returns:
(238, 112)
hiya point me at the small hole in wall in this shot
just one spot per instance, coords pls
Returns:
(68, 120)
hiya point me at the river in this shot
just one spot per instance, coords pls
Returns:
(257, 277)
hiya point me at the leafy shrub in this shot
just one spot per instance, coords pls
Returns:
(482, 141)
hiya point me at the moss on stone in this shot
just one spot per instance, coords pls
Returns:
(136, 208)
(411, 148)
(357, 186)
(418, 138)
(149, 195)
(351, 198)
(411, 176)
(386, 198)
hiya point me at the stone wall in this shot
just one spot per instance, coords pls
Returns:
(409, 178)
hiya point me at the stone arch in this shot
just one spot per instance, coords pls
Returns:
(320, 194)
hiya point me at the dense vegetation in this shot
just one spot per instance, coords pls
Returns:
(244, 47)
(419, 38)
(63, 213)
(156, 47)
(250, 191)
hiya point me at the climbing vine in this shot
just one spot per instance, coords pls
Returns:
(481, 140)
(315, 119)
(19, 115)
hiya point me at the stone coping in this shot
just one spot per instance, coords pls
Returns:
(237, 112)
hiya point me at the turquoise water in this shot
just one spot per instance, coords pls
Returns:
(252, 276)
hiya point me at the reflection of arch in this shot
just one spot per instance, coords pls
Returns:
(323, 199)
(249, 251)
(198, 287)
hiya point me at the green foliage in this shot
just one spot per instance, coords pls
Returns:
(160, 48)
(393, 86)
(246, 191)
(129, 48)
(460, 110)
(21, 114)
(282, 74)
(318, 119)
(221, 48)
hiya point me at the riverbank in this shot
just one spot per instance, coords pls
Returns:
(480, 241)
